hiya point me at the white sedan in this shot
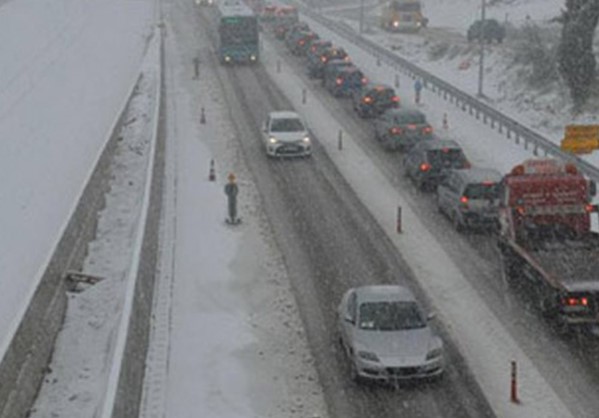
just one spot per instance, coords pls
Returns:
(285, 135)
(386, 336)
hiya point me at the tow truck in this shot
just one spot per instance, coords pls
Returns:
(546, 242)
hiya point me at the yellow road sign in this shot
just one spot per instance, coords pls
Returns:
(580, 139)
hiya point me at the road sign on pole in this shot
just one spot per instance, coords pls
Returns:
(580, 139)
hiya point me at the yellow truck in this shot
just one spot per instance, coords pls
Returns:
(402, 16)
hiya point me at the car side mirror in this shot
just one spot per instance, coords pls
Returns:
(348, 318)
(430, 316)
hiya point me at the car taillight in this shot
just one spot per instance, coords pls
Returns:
(339, 81)
(590, 208)
(427, 130)
(323, 59)
(395, 131)
(412, 127)
(425, 167)
(395, 99)
(364, 80)
(464, 200)
(367, 99)
(575, 302)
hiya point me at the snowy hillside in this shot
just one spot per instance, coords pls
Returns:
(520, 75)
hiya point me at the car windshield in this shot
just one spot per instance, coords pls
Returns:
(482, 191)
(390, 316)
(446, 158)
(287, 125)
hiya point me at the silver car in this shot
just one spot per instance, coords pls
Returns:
(285, 135)
(470, 197)
(386, 336)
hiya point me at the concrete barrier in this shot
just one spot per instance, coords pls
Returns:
(125, 386)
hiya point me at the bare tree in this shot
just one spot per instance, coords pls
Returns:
(575, 53)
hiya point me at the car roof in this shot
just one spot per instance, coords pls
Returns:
(405, 111)
(375, 85)
(478, 175)
(435, 144)
(383, 293)
(284, 114)
(339, 61)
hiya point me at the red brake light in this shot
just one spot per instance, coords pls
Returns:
(425, 167)
(367, 99)
(427, 130)
(464, 200)
(590, 208)
(411, 126)
(339, 81)
(574, 301)
(395, 99)
(395, 131)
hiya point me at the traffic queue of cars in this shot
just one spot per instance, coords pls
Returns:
(382, 329)
(468, 196)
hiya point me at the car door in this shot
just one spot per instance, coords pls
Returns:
(443, 191)
(449, 191)
(380, 123)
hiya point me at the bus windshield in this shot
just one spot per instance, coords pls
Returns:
(239, 30)
(406, 6)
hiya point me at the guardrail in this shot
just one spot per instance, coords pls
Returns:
(465, 101)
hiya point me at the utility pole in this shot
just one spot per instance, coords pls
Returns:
(361, 16)
(481, 61)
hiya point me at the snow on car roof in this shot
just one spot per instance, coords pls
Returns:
(284, 114)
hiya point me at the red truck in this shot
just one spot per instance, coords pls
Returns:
(546, 242)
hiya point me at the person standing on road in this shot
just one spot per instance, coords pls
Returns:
(417, 90)
(231, 190)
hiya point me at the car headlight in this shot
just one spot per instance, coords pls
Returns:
(306, 139)
(367, 355)
(434, 353)
(272, 140)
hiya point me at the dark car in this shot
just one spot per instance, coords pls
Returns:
(489, 30)
(402, 128)
(316, 47)
(344, 81)
(297, 41)
(373, 99)
(428, 162)
(283, 27)
(334, 65)
(317, 63)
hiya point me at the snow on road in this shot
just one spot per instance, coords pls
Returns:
(237, 346)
